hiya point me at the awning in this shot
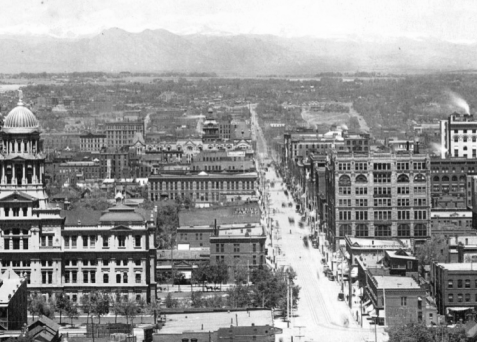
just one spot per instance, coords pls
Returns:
(457, 309)
(369, 308)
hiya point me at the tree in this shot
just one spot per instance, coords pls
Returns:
(154, 309)
(171, 302)
(435, 249)
(37, 305)
(100, 303)
(241, 275)
(167, 223)
(116, 306)
(197, 300)
(62, 303)
(87, 304)
(238, 296)
(220, 273)
(72, 312)
(418, 332)
(130, 309)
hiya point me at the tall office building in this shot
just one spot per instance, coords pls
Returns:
(378, 195)
(459, 136)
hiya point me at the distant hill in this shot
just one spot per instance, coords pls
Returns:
(116, 50)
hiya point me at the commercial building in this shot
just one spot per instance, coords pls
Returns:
(454, 286)
(92, 142)
(378, 195)
(119, 134)
(203, 188)
(459, 136)
(397, 300)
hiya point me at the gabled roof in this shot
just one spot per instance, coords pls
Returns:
(18, 196)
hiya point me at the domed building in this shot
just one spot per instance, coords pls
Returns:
(29, 224)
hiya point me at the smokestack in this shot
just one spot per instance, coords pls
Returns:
(416, 147)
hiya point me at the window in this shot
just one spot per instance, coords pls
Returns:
(403, 179)
(92, 277)
(404, 214)
(361, 179)
(105, 241)
(450, 297)
(403, 301)
(85, 277)
(459, 283)
(74, 239)
(403, 202)
(420, 229)
(361, 215)
(137, 241)
(344, 190)
(467, 283)
(403, 190)
(106, 278)
(344, 181)
(382, 178)
(420, 214)
(236, 248)
(460, 297)
(382, 230)
(361, 230)
(344, 215)
(361, 191)
(361, 202)
(345, 229)
(121, 241)
(138, 278)
(85, 241)
(404, 230)
(467, 297)
(67, 242)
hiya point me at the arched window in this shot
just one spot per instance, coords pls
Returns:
(345, 229)
(404, 230)
(118, 278)
(361, 179)
(420, 229)
(462, 178)
(436, 178)
(382, 230)
(403, 179)
(419, 178)
(362, 230)
(344, 181)
(454, 178)
(125, 277)
(445, 178)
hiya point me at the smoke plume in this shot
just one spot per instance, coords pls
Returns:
(458, 101)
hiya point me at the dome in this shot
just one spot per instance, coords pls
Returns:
(20, 120)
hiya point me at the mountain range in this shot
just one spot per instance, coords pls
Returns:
(115, 50)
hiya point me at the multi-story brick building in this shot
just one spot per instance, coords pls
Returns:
(78, 170)
(60, 141)
(378, 195)
(119, 134)
(238, 246)
(203, 188)
(398, 300)
(92, 142)
(459, 136)
(231, 161)
(115, 163)
(454, 287)
(449, 178)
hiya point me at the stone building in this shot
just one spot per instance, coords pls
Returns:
(378, 195)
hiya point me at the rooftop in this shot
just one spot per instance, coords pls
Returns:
(394, 282)
(375, 243)
(10, 282)
(458, 266)
(212, 321)
(244, 213)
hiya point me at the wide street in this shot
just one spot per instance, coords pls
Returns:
(319, 316)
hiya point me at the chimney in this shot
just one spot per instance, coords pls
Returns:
(416, 147)
(407, 145)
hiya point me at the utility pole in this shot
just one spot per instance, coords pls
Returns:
(299, 332)
(288, 303)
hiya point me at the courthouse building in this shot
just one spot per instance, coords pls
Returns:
(112, 251)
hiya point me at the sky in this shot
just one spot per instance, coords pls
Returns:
(450, 20)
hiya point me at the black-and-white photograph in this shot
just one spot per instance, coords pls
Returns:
(254, 170)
